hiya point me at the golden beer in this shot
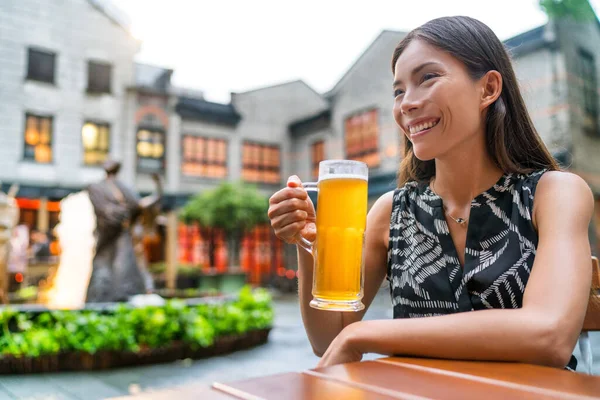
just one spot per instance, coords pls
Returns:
(338, 280)
(338, 251)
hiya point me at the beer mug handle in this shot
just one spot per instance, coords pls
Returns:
(300, 240)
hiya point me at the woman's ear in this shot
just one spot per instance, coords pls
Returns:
(491, 88)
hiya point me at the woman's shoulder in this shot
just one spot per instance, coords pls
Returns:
(563, 196)
(542, 181)
(562, 187)
(378, 220)
(389, 204)
(562, 179)
(382, 207)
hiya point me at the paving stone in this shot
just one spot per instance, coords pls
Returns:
(84, 387)
(34, 387)
(288, 350)
(4, 394)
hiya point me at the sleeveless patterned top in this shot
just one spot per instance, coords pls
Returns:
(424, 273)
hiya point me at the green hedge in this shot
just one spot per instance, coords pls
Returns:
(132, 329)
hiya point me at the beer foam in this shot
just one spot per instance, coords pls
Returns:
(343, 176)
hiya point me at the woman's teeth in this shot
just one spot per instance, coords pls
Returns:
(422, 127)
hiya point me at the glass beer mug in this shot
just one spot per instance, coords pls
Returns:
(338, 252)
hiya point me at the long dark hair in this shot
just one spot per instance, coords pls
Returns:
(511, 139)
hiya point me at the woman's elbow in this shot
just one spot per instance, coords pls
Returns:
(555, 344)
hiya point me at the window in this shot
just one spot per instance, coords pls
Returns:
(204, 157)
(40, 66)
(38, 138)
(150, 150)
(95, 138)
(99, 77)
(589, 91)
(260, 163)
(317, 155)
(362, 138)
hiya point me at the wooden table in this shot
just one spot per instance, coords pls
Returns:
(402, 378)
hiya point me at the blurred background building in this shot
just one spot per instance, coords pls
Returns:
(72, 95)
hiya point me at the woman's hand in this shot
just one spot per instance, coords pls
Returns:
(292, 212)
(343, 348)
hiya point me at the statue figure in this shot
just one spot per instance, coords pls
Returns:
(116, 273)
(9, 218)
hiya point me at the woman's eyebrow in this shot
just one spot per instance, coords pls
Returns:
(416, 71)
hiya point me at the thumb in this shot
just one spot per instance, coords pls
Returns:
(294, 181)
(309, 232)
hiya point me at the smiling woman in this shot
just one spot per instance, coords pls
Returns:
(457, 80)
(473, 224)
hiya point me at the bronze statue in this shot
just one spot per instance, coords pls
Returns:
(116, 273)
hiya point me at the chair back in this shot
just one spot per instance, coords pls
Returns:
(592, 316)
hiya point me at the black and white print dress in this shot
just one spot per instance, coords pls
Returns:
(424, 273)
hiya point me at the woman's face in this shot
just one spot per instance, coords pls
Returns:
(436, 103)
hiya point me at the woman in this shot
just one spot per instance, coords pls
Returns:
(462, 232)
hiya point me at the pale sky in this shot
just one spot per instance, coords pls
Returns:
(223, 46)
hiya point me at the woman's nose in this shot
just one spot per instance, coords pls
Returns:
(410, 102)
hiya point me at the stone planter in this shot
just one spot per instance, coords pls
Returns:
(113, 359)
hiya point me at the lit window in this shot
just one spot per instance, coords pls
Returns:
(260, 163)
(150, 150)
(204, 157)
(317, 155)
(95, 138)
(38, 139)
(362, 138)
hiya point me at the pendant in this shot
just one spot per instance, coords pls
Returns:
(461, 221)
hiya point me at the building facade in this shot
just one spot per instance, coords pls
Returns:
(72, 96)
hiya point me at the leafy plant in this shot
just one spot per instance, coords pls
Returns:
(186, 270)
(159, 268)
(235, 208)
(131, 329)
(198, 330)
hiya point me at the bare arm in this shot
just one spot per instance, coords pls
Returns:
(544, 331)
(153, 199)
(323, 326)
(291, 211)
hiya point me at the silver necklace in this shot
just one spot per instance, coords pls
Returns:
(459, 220)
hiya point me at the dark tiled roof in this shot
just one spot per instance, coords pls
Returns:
(202, 110)
(36, 191)
(168, 202)
(526, 42)
(311, 124)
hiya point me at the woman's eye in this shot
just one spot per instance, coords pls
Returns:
(398, 92)
(429, 76)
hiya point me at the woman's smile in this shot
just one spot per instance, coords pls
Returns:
(422, 127)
